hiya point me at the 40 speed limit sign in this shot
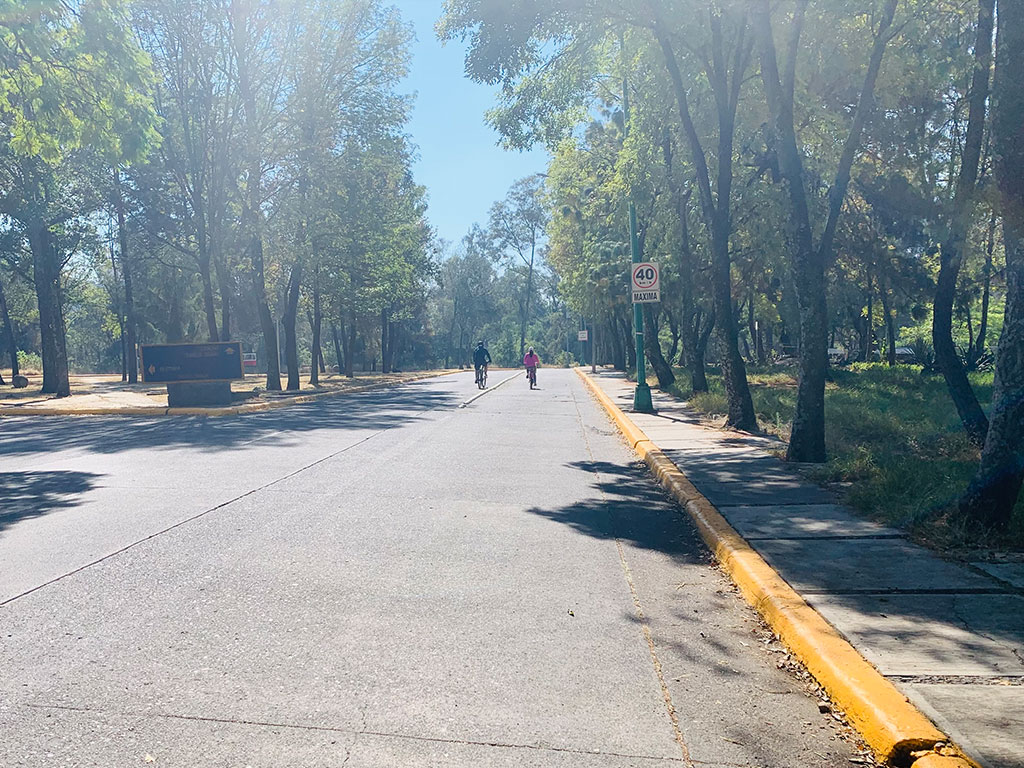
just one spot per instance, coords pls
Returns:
(646, 283)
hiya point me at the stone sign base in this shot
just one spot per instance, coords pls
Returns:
(198, 394)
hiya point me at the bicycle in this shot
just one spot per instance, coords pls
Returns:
(531, 374)
(481, 377)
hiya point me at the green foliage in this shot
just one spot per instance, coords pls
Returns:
(29, 362)
(897, 450)
(73, 78)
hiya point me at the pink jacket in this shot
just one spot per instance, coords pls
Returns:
(531, 361)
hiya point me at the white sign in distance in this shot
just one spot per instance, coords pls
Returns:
(583, 336)
(646, 283)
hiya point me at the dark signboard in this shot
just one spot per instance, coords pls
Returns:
(161, 363)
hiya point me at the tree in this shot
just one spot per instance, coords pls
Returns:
(995, 488)
(8, 332)
(955, 242)
(809, 261)
(76, 87)
(544, 93)
(730, 51)
(349, 60)
(516, 229)
(199, 108)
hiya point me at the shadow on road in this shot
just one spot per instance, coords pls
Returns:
(369, 411)
(938, 627)
(25, 495)
(631, 508)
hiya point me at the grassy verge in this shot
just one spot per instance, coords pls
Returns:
(896, 449)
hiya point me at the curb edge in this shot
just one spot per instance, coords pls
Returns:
(889, 723)
(231, 410)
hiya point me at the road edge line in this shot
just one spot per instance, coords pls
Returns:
(231, 410)
(897, 731)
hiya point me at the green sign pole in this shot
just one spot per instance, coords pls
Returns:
(642, 401)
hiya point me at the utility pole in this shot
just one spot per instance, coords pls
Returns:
(642, 401)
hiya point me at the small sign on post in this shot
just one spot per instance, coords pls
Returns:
(583, 336)
(646, 283)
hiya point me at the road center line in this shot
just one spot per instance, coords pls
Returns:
(477, 396)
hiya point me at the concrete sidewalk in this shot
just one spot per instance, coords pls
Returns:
(949, 635)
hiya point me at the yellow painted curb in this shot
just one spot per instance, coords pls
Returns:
(232, 410)
(934, 760)
(890, 725)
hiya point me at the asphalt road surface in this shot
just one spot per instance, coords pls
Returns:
(385, 579)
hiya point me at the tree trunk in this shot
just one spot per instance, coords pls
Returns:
(224, 285)
(291, 315)
(627, 339)
(993, 492)
(986, 295)
(690, 315)
(174, 329)
(315, 326)
(652, 349)
(252, 217)
(953, 247)
(717, 207)
(734, 370)
(350, 344)
(46, 264)
(385, 342)
(807, 441)
(12, 346)
(673, 327)
(394, 334)
(337, 348)
(868, 339)
(130, 340)
(209, 305)
(698, 368)
(267, 324)
(890, 325)
(762, 358)
(946, 357)
(451, 332)
(614, 339)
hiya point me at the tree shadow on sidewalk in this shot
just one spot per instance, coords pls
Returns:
(25, 495)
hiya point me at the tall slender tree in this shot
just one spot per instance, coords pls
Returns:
(809, 260)
(996, 486)
(958, 221)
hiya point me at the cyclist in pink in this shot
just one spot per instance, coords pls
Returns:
(531, 361)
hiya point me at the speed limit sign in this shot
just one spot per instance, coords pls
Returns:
(646, 283)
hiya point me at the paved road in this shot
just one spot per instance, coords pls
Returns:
(388, 579)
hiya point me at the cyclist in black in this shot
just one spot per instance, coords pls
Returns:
(481, 357)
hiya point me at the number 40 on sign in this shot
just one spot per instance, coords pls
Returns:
(646, 283)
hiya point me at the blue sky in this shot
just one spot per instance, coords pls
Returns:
(460, 163)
